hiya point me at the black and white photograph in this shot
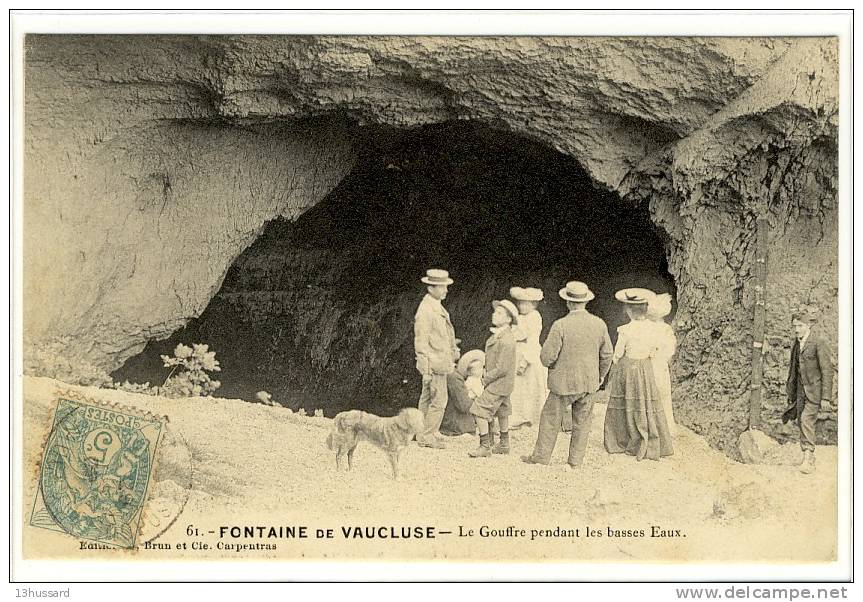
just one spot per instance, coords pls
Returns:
(288, 293)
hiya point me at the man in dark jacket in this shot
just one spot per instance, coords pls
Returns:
(578, 354)
(498, 380)
(810, 384)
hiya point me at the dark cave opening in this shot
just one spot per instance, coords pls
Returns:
(319, 311)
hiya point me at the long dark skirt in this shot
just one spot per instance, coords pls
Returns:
(635, 421)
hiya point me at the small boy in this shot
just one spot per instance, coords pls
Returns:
(498, 380)
(475, 389)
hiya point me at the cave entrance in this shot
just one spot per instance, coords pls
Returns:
(319, 312)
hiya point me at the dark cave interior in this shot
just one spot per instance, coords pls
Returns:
(319, 311)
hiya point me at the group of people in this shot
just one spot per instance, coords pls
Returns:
(464, 384)
(517, 380)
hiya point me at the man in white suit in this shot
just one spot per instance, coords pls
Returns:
(436, 354)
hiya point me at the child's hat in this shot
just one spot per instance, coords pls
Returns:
(474, 355)
(510, 307)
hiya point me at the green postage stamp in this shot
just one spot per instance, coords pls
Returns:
(96, 470)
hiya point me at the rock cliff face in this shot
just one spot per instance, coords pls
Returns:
(151, 163)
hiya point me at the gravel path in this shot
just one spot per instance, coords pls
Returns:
(257, 465)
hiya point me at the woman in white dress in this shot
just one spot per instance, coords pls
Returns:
(529, 392)
(657, 309)
(634, 420)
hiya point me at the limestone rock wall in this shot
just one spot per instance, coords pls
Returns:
(136, 202)
(772, 152)
(151, 162)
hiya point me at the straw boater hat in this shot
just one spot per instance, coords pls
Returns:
(634, 296)
(510, 307)
(525, 294)
(659, 306)
(475, 355)
(576, 291)
(437, 277)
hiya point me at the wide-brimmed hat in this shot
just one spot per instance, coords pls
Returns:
(526, 294)
(634, 296)
(434, 277)
(576, 291)
(510, 307)
(464, 362)
(659, 306)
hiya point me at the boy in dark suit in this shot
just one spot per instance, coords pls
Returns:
(810, 384)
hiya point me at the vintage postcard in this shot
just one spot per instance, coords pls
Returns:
(525, 300)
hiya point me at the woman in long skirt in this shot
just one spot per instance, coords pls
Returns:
(635, 421)
(657, 309)
(529, 391)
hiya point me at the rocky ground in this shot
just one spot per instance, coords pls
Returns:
(232, 463)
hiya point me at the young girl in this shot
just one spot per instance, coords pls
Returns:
(657, 309)
(529, 392)
(635, 421)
